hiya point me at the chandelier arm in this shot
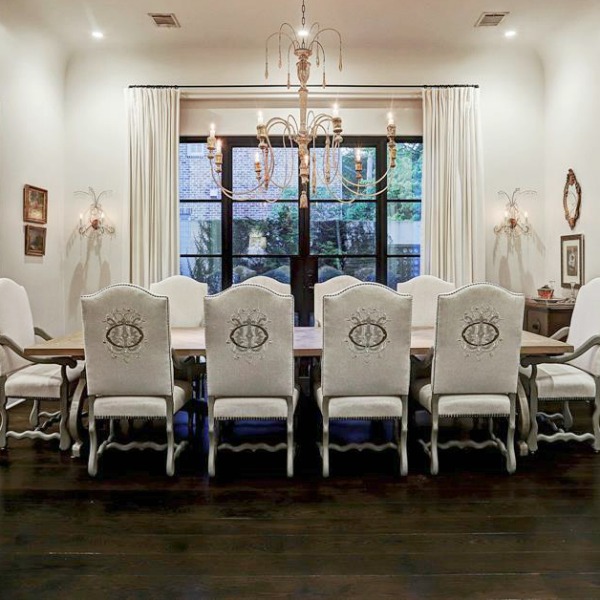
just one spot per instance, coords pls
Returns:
(230, 193)
(339, 35)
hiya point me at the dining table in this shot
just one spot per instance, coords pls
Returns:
(308, 343)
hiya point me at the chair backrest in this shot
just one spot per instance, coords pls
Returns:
(478, 341)
(425, 290)
(269, 283)
(16, 322)
(127, 342)
(186, 299)
(249, 343)
(585, 323)
(331, 286)
(366, 342)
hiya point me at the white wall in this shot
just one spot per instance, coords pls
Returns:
(32, 79)
(512, 118)
(573, 140)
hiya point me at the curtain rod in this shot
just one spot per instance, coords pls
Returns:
(282, 86)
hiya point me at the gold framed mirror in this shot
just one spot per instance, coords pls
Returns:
(572, 199)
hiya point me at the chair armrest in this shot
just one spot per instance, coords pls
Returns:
(563, 358)
(561, 334)
(65, 361)
(42, 333)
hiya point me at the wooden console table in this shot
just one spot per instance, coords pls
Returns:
(545, 318)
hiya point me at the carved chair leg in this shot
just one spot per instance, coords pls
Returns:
(3, 416)
(170, 448)
(93, 457)
(596, 425)
(434, 439)
(403, 435)
(290, 446)
(532, 438)
(212, 441)
(63, 425)
(567, 416)
(34, 416)
(325, 448)
(511, 461)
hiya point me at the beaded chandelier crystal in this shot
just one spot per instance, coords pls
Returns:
(305, 132)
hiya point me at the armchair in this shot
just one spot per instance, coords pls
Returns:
(31, 378)
(573, 377)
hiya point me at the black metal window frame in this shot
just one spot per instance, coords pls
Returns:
(304, 246)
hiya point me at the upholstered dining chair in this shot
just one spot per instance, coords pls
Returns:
(365, 366)
(186, 309)
(425, 290)
(269, 283)
(573, 377)
(40, 380)
(475, 365)
(127, 341)
(250, 364)
(331, 286)
(186, 299)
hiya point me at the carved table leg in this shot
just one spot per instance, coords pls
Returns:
(75, 425)
(524, 424)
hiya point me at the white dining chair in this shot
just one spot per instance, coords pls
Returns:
(186, 299)
(331, 286)
(365, 367)
(127, 341)
(269, 283)
(425, 290)
(39, 380)
(475, 365)
(571, 378)
(250, 365)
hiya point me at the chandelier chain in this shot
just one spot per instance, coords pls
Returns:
(303, 14)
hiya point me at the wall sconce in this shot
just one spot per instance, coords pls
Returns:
(514, 223)
(93, 221)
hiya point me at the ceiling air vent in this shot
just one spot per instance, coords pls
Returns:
(490, 19)
(164, 19)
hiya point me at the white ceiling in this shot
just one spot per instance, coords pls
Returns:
(247, 23)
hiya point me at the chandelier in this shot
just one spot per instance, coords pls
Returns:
(304, 133)
(514, 223)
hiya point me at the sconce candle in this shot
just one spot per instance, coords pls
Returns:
(92, 221)
(514, 223)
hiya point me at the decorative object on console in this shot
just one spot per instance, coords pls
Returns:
(514, 223)
(93, 222)
(305, 132)
(572, 199)
(35, 204)
(35, 240)
(546, 292)
(571, 261)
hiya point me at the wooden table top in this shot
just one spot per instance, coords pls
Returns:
(308, 341)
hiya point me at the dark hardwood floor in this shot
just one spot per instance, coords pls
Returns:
(470, 532)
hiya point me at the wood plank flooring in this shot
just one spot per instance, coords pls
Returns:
(470, 532)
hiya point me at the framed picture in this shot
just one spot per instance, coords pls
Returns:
(35, 204)
(35, 240)
(571, 260)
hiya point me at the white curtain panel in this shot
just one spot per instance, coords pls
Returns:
(453, 237)
(153, 183)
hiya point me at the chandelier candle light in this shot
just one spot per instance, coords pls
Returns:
(305, 132)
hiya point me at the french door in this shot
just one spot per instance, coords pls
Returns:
(226, 241)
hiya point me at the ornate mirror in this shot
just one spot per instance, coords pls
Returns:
(572, 199)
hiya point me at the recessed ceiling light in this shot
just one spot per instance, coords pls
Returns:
(97, 34)
(510, 33)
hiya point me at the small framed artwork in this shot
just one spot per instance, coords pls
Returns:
(35, 240)
(35, 204)
(571, 261)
